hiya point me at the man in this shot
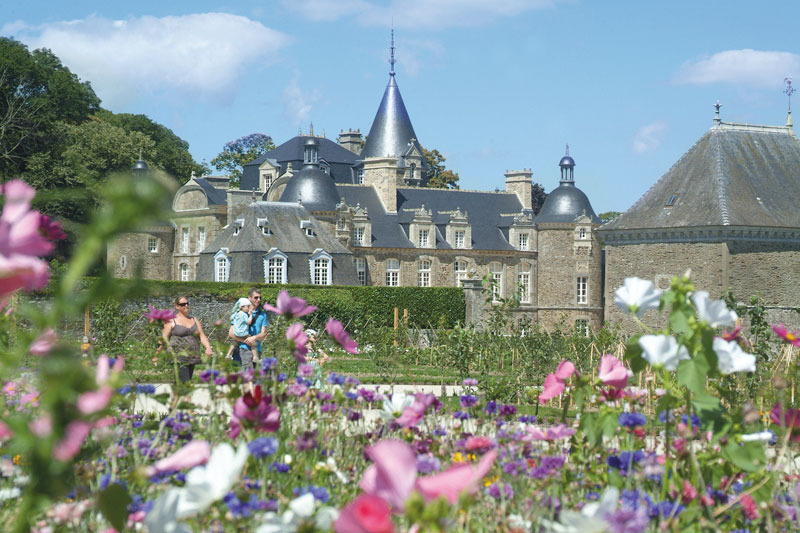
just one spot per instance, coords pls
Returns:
(250, 346)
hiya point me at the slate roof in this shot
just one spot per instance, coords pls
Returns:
(284, 221)
(339, 159)
(735, 175)
(313, 188)
(564, 204)
(215, 196)
(391, 129)
(490, 214)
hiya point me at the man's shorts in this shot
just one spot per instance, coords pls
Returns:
(246, 356)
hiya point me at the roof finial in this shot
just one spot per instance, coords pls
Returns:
(392, 60)
(717, 120)
(567, 152)
(789, 91)
(310, 129)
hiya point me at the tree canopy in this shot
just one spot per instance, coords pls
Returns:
(235, 154)
(439, 177)
(608, 216)
(538, 197)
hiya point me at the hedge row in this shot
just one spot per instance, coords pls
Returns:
(354, 305)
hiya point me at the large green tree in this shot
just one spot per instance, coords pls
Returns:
(439, 177)
(538, 196)
(235, 154)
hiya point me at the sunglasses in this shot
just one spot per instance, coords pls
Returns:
(256, 297)
(184, 304)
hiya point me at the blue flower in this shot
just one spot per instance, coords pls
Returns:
(335, 379)
(468, 400)
(263, 446)
(632, 420)
(461, 415)
(695, 420)
(125, 389)
(282, 377)
(146, 389)
(491, 407)
(279, 467)
(320, 493)
(527, 419)
(268, 363)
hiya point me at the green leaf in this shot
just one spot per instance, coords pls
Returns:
(711, 414)
(679, 322)
(748, 456)
(113, 503)
(589, 428)
(692, 374)
(610, 423)
(633, 354)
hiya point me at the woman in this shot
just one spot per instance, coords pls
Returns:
(185, 335)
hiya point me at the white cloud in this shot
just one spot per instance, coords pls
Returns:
(412, 14)
(752, 68)
(649, 137)
(297, 103)
(199, 55)
(416, 53)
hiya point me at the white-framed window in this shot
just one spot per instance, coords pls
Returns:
(275, 263)
(582, 233)
(582, 292)
(320, 266)
(184, 240)
(341, 223)
(267, 181)
(460, 268)
(201, 239)
(358, 236)
(360, 176)
(423, 238)
(523, 241)
(524, 282)
(325, 168)
(459, 238)
(582, 327)
(424, 273)
(184, 268)
(222, 265)
(392, 273)
(361, 270)
(496, 270)
(152, 244)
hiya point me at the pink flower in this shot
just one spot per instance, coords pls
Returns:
(29, 398)
(41, 427)
(732, 335)
(255, 410)
(689, 493)
(413, 414)
(456, 479)
(299, 338)
(19, 225)
(790, 419)
(10, 388)
(104, 368)
(5, 431)
(565, 370)
(612, 372)
(554, 383)
(288, 305)
(336, 330)
(750, 507)
(44, 343)
(69, 513)
(51, 229)
(22, 272)
(392, 474)
(194, 453)
(478, 443)
(366, 514)
(792, 338)
(93, 401)
(70, 445)
(164, 315)
(552, 433)
(105, 422)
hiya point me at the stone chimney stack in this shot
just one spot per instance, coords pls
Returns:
(351, 139)
(381, 173)
(520, 182)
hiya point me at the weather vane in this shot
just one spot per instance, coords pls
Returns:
(392, 60)
(567, 152)
(789, 90)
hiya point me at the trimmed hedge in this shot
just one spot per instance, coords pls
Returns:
(355, 306)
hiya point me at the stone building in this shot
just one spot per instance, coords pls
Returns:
(728, 209)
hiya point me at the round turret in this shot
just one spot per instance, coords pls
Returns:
(566, 202)
(566, 161)
(313, 188)
(140, 167)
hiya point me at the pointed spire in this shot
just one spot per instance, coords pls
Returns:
(789, 91)
(392, 60)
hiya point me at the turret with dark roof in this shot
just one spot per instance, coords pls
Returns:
(311, 186)
(566, 202)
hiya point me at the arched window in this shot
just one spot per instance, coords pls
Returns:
(184, 268)
(321, 267)
(275, 263)
(222, 266)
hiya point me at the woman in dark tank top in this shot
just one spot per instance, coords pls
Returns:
(185, 335)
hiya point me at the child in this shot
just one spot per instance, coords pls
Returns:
(242, 318)
(315, 357)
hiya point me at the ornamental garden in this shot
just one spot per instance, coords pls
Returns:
(693, 427)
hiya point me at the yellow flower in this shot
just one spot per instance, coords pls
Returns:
(490, 480)
(458, 457)
(17, 459)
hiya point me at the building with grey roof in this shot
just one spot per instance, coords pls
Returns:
(727, 210)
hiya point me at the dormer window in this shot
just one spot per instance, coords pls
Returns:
(672, 199)
(423, 238)
(237, 226)
(307, 228)
(310, 154)
(341, 224)
(358, 236)
(459, 239)
(523, 241)
(325, 168)
(582, 233)
(360, 176)
(262, 224)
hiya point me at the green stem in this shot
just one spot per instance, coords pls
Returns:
(667, 443)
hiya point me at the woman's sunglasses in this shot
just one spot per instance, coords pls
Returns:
(184, 304)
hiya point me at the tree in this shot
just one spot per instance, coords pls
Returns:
(237, 153)
(538, 196)
(608, 216)
(438, 176)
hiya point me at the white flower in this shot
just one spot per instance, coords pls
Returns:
(300, 509)
(591, 519)
(204, 485)
(516, 521)
(731, 358)
(761, 436)
(394, 408)
(637, 296)
(661, 350)
(714, 312)
(9, 493)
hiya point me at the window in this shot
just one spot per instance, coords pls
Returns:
(265, 230)
(358, 236)
(423, 238)
(523, 241)
(524, 282)
(201, 239)
(320, 266)
(424, 273)
(582, 327)
(184, 272)
(325, 168)
(123, 262)
(309, 232)
(497, 279)
(460, 268)
(582, 233)
(361, 271)
(392, 273)
(236, 229)
(360, 176)
(184, 240)
(152, 244)
(341, 223)
(581, 294)
(267, 181)
(222, 265)
(276, 270)
(671, 200)
(459, 239)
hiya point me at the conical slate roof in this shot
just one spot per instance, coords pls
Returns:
(391, 131)
(735, 175)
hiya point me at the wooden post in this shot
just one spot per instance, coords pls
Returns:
(405, 317)
(87, 318)
(396, 323)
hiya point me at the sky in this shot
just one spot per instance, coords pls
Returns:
(493, 85)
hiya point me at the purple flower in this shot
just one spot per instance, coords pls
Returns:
(501, 490)
(320, 493)
(298, 338)
(628, 520)
(288, 305)
(461, 415)
(268, 363)
(163, 315)
(428, 463)
(329, 407)
(281, 377)
(527, 419)
(369, 395)
(279, 467)
(306, 441)
(468, 400)
(470, 382)
(296, 389)
(335, 379)
(508, 410)
(207, 375)
(491, 407)
(353, 415)
(632, 420)
(336, 330)
(305, 370)
(262, 446)
(220, 380)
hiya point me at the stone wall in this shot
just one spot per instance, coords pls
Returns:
(213, 226)
(130, 251)
(767, 268)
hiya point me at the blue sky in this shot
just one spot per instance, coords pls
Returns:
(493, 85)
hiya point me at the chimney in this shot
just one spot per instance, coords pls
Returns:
(351, 139)
(381, 173)
(520, 182)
